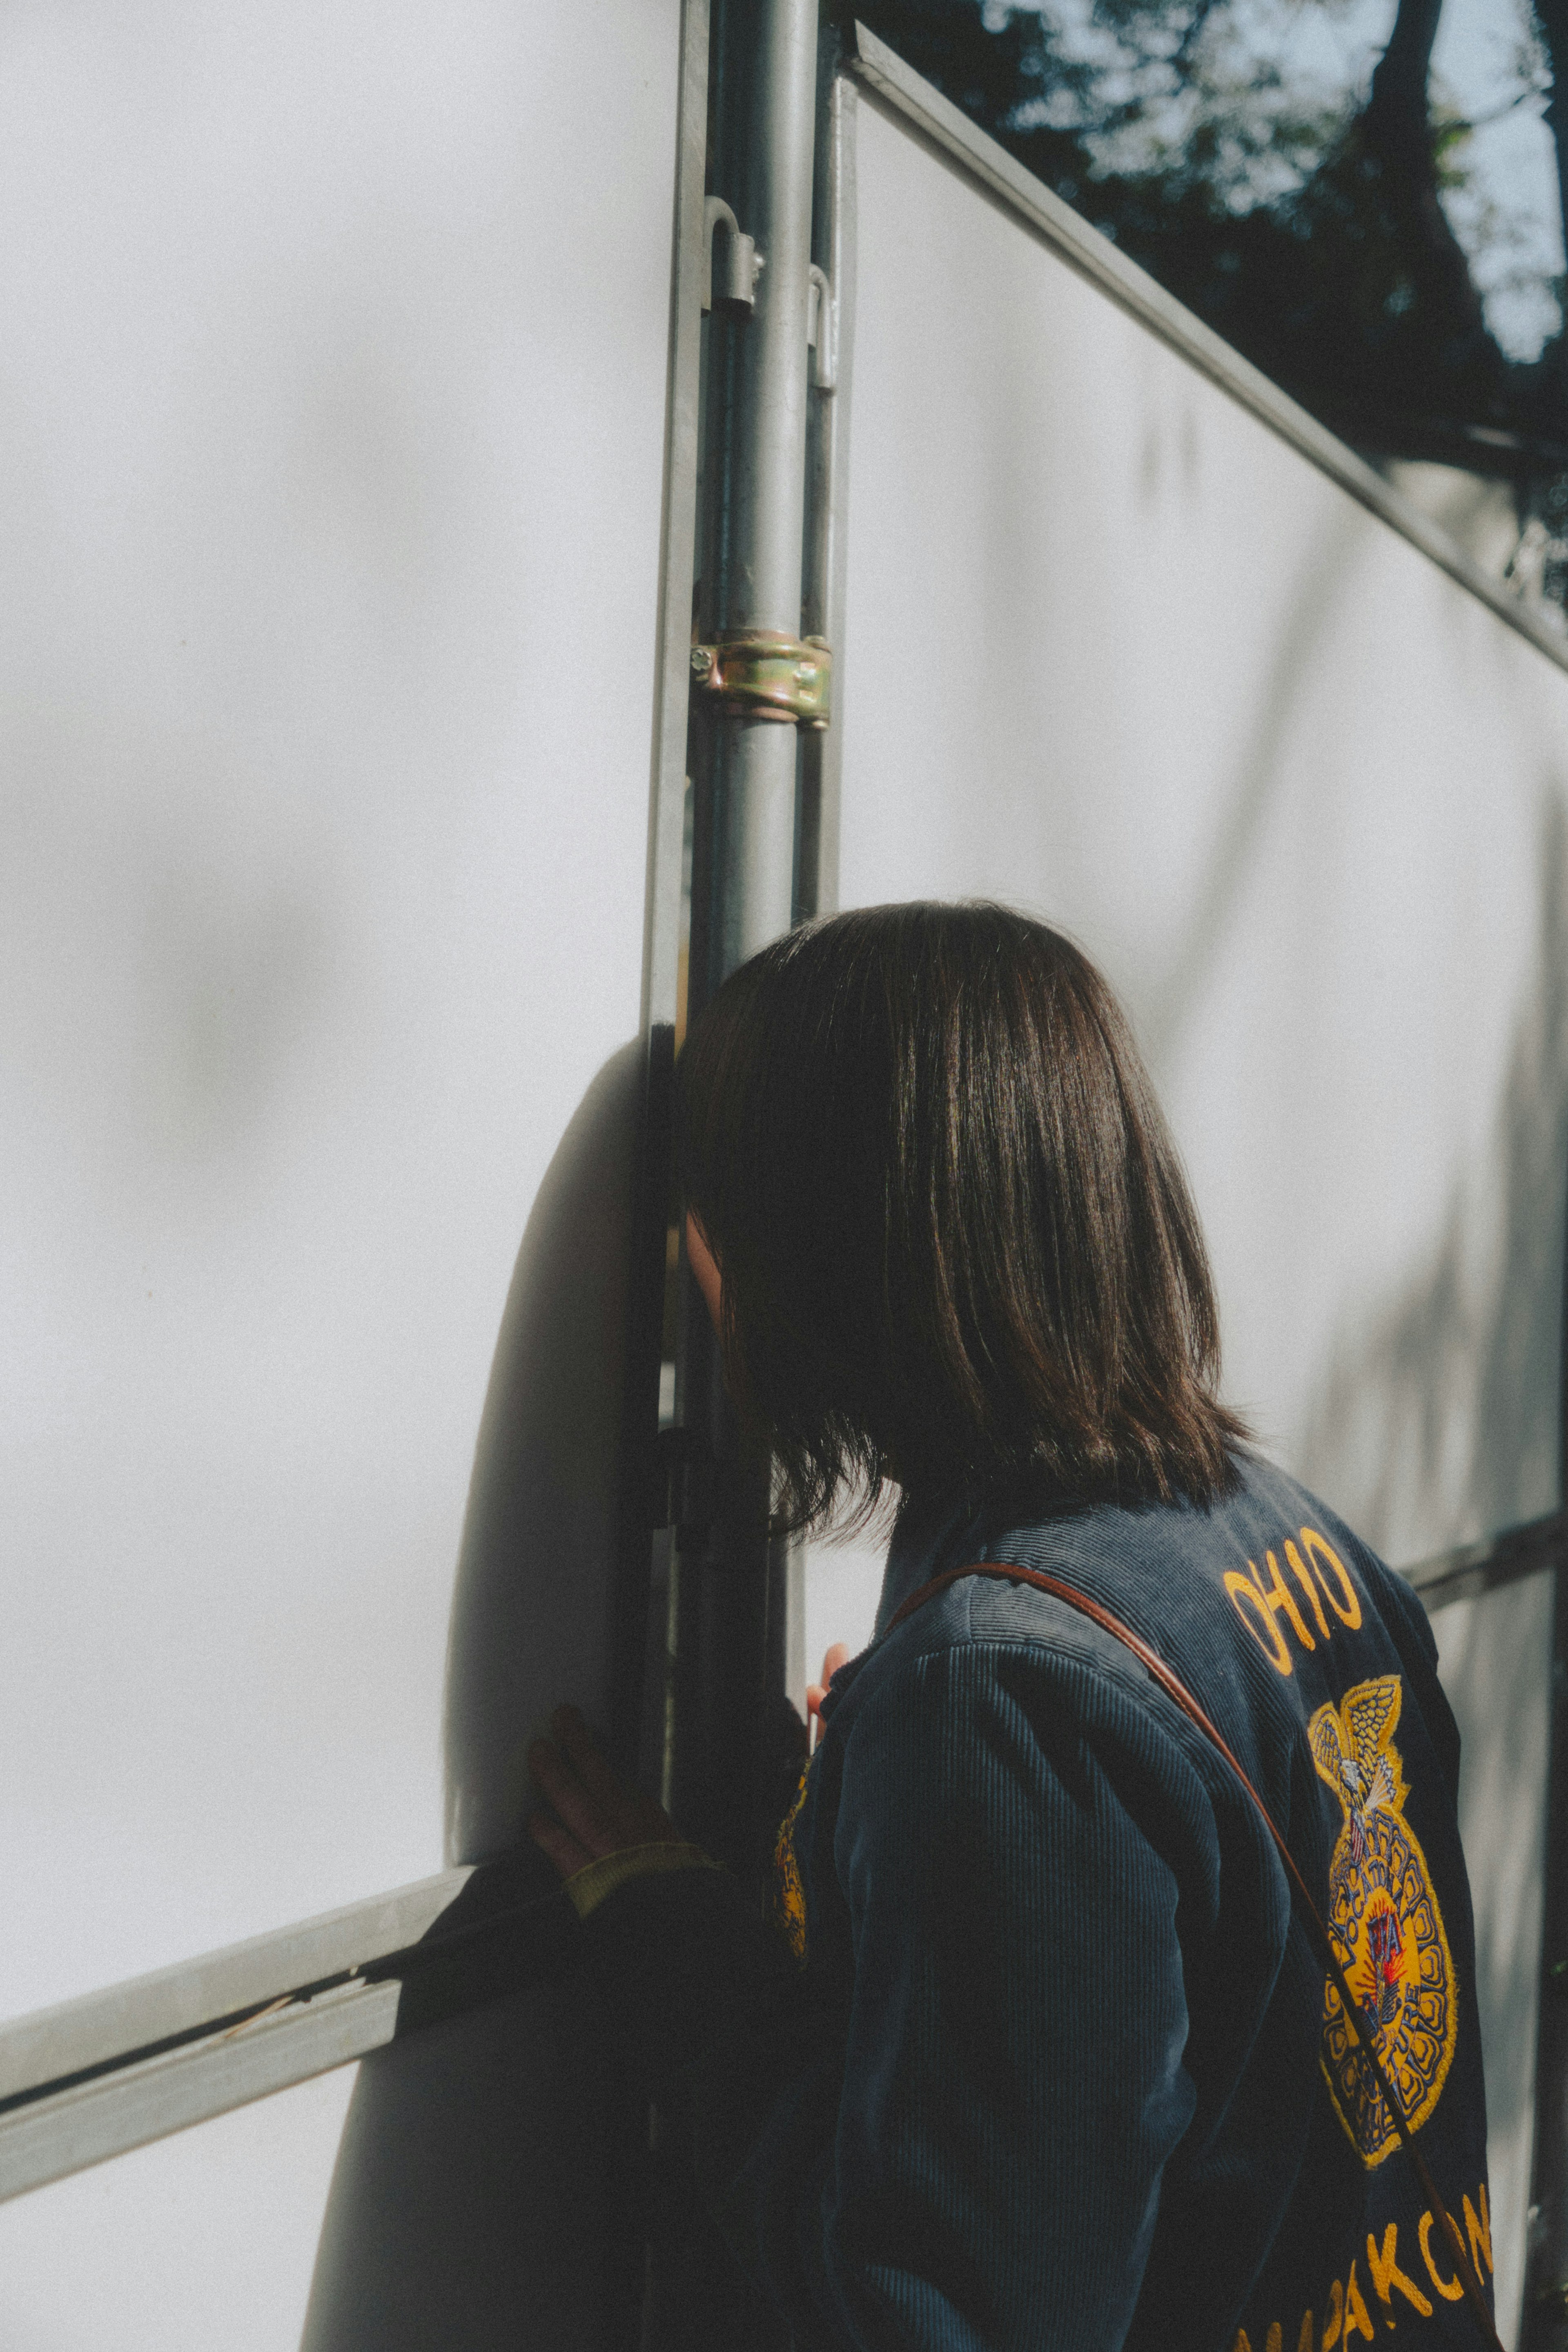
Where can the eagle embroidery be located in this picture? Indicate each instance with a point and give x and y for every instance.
(1387, 1931)
(787, 1894)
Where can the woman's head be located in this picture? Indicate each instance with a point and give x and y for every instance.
(956, 1243)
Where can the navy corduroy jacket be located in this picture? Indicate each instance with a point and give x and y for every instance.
(1034, 2054)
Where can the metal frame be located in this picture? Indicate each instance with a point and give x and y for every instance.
(689, 265)
(1470, 1570)
(760, 391)
(92, 2078)
(907, 94)
(827, 477)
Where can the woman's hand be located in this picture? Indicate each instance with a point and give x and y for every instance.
(816, 1691)
(595, 1812)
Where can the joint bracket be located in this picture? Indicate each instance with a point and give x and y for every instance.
(742, 263)
(768, 674)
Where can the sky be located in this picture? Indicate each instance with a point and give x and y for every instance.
(1475, 67)
(1508, 216)
(1509, 219)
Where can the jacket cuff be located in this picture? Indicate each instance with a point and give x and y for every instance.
(672, 1952)
(587, 1888)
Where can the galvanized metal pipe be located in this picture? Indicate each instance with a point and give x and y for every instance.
(758, 584)
(726, 1578)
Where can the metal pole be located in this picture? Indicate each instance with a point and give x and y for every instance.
(771, 51)
(728, 1664)
(726, 1576)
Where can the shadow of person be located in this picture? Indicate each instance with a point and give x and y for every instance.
(468, 2201)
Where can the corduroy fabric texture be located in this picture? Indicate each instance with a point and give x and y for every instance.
(1056, 2069)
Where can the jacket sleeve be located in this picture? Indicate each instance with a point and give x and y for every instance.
(676, 1946)
(970, 2159)
(683, 1962)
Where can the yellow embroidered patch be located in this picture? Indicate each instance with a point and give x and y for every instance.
(789, 1891)
(1347, 2311)
(1388, 1930)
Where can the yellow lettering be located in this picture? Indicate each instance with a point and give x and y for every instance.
(1304, 2336)
(1243, 2341)
(1479, 2232)
(1348, 1609)
(1334, 2319)
(1279, 1596)
(1387, 2275)
(1449, 2289)
(1275, 2337)
(1246, 1596)
(1356, 2313)
(1298, 1571)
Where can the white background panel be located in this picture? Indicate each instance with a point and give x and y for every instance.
(206, 2239)
(334, 346)
(332, 369)
(1116, 652)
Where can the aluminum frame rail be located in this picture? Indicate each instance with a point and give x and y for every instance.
(763, 553)
(1470, 1570)
(92, 2078)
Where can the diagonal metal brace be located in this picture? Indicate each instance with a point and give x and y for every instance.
(768, 674)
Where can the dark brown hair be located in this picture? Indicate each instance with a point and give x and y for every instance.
(955, 1241)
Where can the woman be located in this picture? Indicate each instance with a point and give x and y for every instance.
(1041, 2057)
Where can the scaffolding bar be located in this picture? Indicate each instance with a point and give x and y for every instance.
(91, 2078)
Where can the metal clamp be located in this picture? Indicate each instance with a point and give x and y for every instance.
(742, 262)
(768, 674)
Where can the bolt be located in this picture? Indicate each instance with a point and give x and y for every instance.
(702, 660)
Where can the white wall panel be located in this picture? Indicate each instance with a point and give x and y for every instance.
(206, 2239)
(1116, 652)
(332, 369)
(323, 884)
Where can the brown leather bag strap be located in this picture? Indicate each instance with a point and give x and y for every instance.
(1174, 1688)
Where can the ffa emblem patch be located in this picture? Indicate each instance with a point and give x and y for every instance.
(788, 1896)
(1388, 1930)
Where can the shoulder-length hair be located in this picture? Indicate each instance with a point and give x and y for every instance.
(956, 1243)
